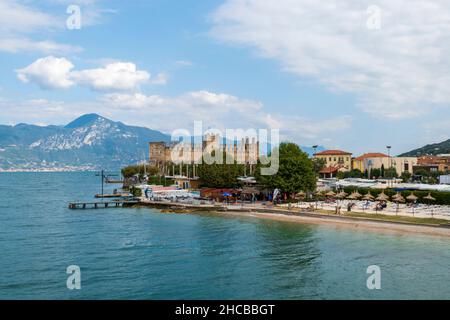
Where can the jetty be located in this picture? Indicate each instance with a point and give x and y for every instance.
(113, 195)
(102, 204)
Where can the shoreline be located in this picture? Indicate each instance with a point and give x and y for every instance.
(349, 223)
(302, 217)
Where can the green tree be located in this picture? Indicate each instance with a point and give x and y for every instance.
(295, 172)
(390, 173)
(340, 175)
(354, 173)
(130, 171)
(218, 175)
(375, 173)
(319, 164)
(405, 176)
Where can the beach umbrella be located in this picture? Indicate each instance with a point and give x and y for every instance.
(368, 197)
(330, 194)
(318, 194)
(341, 195)
(430, 199)
(301, 195)
(354, 196)
(382, 197)
(398, 198)
(357, 194)
(412, 197)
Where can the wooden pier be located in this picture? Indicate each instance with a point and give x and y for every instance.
(113, 195)
(101, 204)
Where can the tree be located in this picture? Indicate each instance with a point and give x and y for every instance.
(139, 169)
(366, 174)
(390, 173)
(218, 175)
(405, 176)
(375, 173)
(295, 172)
(383, 173)
(354, 173)
(319, 164)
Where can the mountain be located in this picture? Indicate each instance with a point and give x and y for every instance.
(89, 142)
(430, 149)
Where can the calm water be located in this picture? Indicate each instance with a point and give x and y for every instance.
(144, 254)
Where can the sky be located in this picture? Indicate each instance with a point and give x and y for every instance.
(345, 74)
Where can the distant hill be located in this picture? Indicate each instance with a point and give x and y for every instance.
(90, 141)
(429, 149)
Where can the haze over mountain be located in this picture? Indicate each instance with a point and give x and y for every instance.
(89, 142)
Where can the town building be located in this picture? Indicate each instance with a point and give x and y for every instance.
(166, 155)
(376, 160)
(431, 163)
(363, 162)
(335, 161)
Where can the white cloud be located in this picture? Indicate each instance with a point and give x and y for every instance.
(161, 78)
(398, 71)
(48, 73)
(165, 113)
(221, 111)
(114, 76)
(16, 17)
(14, 45)
(56, 73)
(20, 21)
(27, 28)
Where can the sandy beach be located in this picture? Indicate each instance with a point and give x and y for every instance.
(297, 215)
(348, 223)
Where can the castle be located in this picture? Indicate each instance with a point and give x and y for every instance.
(162, 153)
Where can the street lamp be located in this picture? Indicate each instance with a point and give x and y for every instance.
(390, 160)
(315, 149)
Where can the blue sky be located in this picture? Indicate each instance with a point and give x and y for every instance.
(317, 71)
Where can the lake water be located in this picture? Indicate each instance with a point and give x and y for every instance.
(126, 253)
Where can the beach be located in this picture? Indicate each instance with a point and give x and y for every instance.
(346, 222)
(299, 215)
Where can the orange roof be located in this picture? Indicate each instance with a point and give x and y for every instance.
(329, 170)
(332, 153)
(372, 155)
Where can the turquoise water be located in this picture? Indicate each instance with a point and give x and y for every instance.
(143, 254)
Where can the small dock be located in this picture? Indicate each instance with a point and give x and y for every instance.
(113, 195)
(101, 204)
